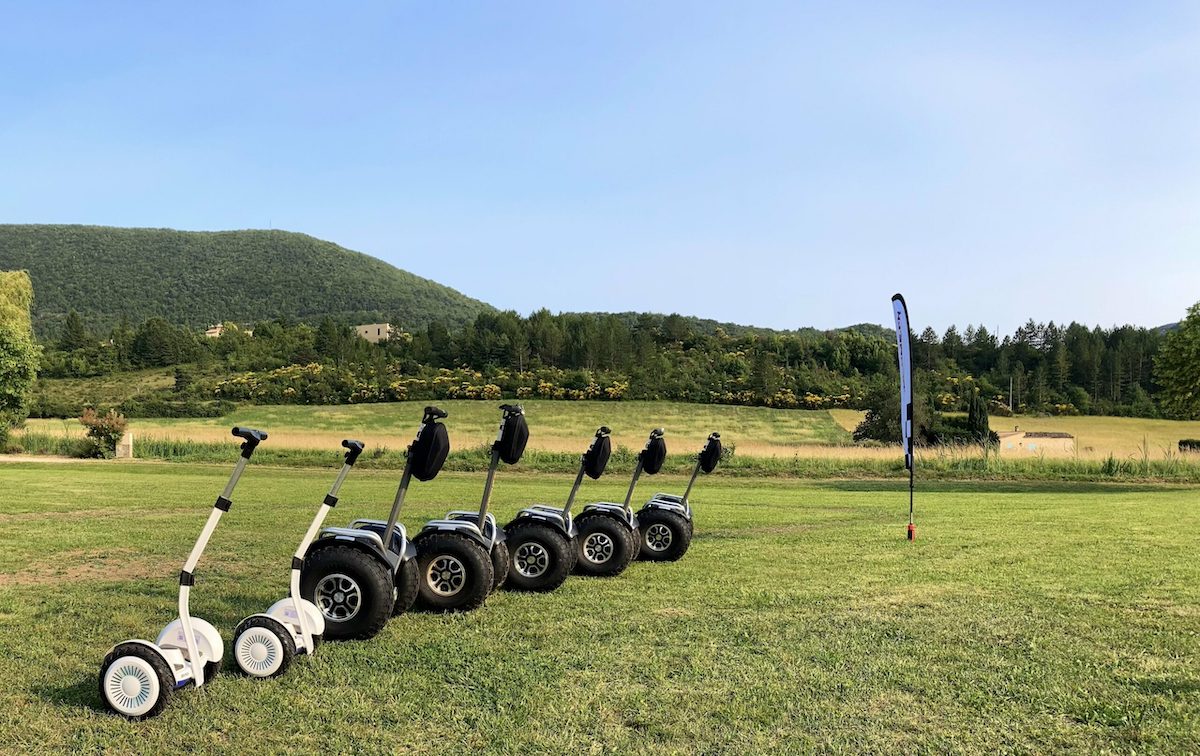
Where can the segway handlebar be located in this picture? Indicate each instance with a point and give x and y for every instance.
(433, 413)
(251, 438)
(353, 449)
(603, 431)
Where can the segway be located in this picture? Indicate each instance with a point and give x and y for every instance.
(666, 520)
(608, 533)
(137, 677)
(463, 557)
(356, 582)
(265, 644)
(542, 538)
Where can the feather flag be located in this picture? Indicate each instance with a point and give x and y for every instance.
(900, 310)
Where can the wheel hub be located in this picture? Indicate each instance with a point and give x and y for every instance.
(131, 686)
(446, 575)
(532, 559)
(339, 597)
(598, 548)
(658, 537)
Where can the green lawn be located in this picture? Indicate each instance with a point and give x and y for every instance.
(1026, 618)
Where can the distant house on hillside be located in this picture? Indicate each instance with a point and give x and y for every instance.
(374, 332)
(214, 332)
(1053, 443)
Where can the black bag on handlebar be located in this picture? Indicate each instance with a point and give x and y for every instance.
(428, 453)
(595, 459)
(514, 434)
(653, 455)
(710, 455)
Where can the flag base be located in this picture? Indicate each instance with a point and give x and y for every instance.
(912, 532)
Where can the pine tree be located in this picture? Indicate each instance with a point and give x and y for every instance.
(1177, 368)
(74, 334)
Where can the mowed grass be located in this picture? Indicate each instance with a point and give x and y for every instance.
(1025, 618)
(554, 425)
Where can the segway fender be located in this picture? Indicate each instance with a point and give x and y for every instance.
(615, 511)
(554, 520)
(284, 610)
(669, 506)
(208, 640)
(465, 527)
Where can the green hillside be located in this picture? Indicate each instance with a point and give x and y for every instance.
(200, 278)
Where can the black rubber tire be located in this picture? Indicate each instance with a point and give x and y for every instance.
(501, 561)
(560, 551)
(166, 678)
(408, 585)
(477, 567)
(211, 670)
(676, 525)
(624, 545)
(276, 628)
(374, 580)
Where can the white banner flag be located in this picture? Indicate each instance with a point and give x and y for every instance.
(906, 403)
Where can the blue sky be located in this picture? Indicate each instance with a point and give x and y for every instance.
(779, 164)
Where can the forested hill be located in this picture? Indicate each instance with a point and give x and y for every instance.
(200, 278)
(708, 327)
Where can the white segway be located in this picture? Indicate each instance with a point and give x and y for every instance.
(137, 677)
(265, 644)
(666, 520)
(608, 532)
(542, 538)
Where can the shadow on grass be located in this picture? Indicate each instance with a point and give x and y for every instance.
(84, 693)
(1170, 687)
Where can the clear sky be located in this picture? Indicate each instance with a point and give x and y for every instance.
(779, 164)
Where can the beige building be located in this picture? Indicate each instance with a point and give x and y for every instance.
(374, 332)
(1052, 444)
(215, 332)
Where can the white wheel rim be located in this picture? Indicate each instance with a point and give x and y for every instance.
(259, 652)
(339, 597)
(131, 686)
(532, 559)
(658, 537)
(446, 575)
(598, 548)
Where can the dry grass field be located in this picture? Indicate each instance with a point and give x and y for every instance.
(558, 426)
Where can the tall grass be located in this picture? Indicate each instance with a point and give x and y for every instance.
(943, 463)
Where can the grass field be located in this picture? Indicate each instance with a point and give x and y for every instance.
(1025, 618)
(558, 426)
(554, 425)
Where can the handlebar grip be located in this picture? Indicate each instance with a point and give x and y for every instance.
(433, 413)
(251, 438)
(353, 449)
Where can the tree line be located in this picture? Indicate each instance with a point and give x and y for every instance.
(1043, 368)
